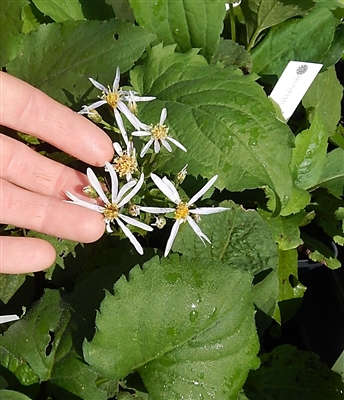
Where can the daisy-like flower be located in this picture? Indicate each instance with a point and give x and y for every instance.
(112, 209)
(183, 211)
(115, 97)
(158, 135)
(125, 163)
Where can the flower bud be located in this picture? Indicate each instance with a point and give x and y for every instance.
(90, 192)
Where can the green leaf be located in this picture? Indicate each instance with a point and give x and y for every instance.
(238, 236)
(60, 10)
(11, 27)
(230, 53)
(9, 284)
(298, 200)
(223, 118)
(262, 14)
(325, 90)
(330, 4)
(290, 41)
(288, 373)
(265, 294)
(188, 23)
(338, 137)
(332, 177)
(335, 52)
(309, 155)
(30, 22)
(39, 345)
(12, 395)
(74, 51)
(186, 325)
(285, 230)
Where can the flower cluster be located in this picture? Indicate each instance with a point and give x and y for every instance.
(116, 204)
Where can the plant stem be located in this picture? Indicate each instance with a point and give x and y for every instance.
(253, 40)
(232, 21)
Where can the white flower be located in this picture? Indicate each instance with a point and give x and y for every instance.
(91, 113)
(115, 97)
(182, 212)
(125, 163)
(112, 210)
(158, 135)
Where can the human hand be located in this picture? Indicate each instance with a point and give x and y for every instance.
(32, 186)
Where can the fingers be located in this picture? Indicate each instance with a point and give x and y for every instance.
(20, 255)
(25, 168)
(48, 215)
(26, 109)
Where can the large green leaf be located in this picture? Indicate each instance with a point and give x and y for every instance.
(39, 346)
(11, 26)
(9, 284)
(238, 236)
(332, 177)
(290, 41)
(186, 325)
(189, 23)
(262, 14)
(288, 373)
(325, 90)
(60, 10)
(74, 51)
(223, 118)
(309, 155)
(11, 395)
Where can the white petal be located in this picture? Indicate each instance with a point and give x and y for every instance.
(96, 184)
(156, 146)
(124, 189)
(201, 192)
(118, 148)
(197, 230)
(130, 116)
(166, 189)
(82, 203)
(135, 222)
(108, 227)
(173, 235)
(208, 210)
(163, 116)
(130, 236)
(97, 104)
(121, 126)
(116, 80)
(8, 318)
(146, 147)
(173, 189)
(99, 86)
(166, 145)
(157, 210)
(114, 182)
(140, 133)
(133, 192)
(174, 141)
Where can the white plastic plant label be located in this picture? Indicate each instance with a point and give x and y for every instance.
(122, 9)
(8, 318)
(293, 85)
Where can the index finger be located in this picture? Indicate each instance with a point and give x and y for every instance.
(27, 109)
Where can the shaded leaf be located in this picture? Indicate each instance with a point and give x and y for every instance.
(188, 23)
(274, 52)
(288, 373)
(11, 27)
(12, 395)
(238, 236)
(60, 10)
(73, 51)
(230, 53)
(320, 252)
(309, 154)
(265, 294)
(262, 14)
(185, 325)
(332, 177)
(223, 118)
(325, 90)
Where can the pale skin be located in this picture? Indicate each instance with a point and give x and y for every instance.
(32, 187)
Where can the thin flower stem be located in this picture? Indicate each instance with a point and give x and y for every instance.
(110, 127)
(232, 22)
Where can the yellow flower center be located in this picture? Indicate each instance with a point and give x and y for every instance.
(159, 132)
(111, 212)
(125, 164)
(182, 211)
(112, 98)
